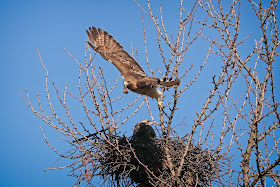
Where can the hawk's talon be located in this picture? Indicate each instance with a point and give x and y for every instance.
(160, 104)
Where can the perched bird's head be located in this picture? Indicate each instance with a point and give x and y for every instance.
(146, 122)
(144, 131)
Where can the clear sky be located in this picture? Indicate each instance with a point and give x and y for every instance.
(51, 26)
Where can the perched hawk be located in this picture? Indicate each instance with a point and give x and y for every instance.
(147, 151)
(134, 77)
(144, 131)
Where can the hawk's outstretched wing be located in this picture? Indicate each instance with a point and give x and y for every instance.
(111, 50)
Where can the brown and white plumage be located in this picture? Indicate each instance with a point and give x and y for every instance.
(134, 77)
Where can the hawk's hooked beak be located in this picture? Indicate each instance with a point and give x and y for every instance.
(149, 123)
(125, 83)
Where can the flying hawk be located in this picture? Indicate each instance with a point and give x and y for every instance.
(134, 77)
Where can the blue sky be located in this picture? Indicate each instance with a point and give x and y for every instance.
(51, 26)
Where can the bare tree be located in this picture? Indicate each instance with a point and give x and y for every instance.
(238, 121)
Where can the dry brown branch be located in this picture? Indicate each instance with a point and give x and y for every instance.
(234, 138)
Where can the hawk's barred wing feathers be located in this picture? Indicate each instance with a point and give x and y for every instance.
(111, 50)
(135, 78)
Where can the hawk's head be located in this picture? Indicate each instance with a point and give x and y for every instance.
(144, 130)
(145, 122)
(144, 89)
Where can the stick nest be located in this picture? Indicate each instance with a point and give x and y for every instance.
(127, 161)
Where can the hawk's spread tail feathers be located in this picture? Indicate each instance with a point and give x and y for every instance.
(168, 82)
